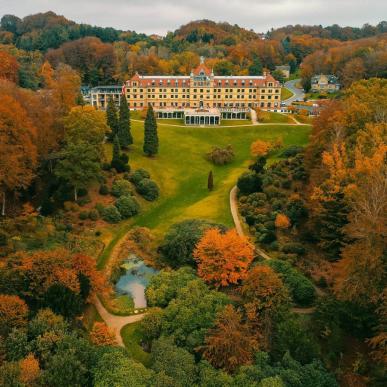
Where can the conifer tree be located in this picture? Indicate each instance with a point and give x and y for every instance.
(112, 118)
(116, 149)
(124, 133)
(210, 181)
(151, 140)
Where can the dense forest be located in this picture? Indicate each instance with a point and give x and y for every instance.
(296, 297)
(105, 55)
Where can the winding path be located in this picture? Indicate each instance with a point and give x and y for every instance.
(298, 94)
(239, 229)
(116, 322)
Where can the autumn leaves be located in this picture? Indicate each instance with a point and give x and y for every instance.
(223, 259)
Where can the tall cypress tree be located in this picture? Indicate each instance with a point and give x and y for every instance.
(124, 133)
(210, 181)
(112, 118)
(116, 149)
(151, 140)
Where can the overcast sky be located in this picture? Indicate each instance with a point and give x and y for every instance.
(160, 16)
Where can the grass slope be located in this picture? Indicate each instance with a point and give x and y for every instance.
(285, 93)
(181, 171)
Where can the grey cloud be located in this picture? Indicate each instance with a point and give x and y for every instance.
(152, 16)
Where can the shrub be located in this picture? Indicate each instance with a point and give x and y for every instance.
(83, 201)
(111, 215)
(82, 192)
(103, 189)
(296, 211)
(138, 175)
(249, 183)
(127, 206)
(300, 287)
(121, 187)
(293, 248)
(267, 238)
(148, 189)
(93, 215)
(83, 215)
(181, 239)
(291, 151)
(99, 207)
(121, 164)
(221, 156)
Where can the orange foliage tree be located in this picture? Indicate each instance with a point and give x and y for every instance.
(13, 313)
(230, 343)
(264, 289)
(9, 67)
(264, 297)
(260, 148)
(282, 221)
(42, 269)
(223, 259)
(29, 370)
(18, 153)
(102, 335)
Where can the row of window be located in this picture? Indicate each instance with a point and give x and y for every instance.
(215, 105)
(202, 90)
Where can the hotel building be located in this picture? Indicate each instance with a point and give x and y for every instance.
(202, 97)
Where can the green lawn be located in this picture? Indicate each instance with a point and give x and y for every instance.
(285, 93)
(277, 118)
(235, 122)
(181, 171)
(131, 336)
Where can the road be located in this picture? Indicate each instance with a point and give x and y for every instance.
(239, 229)
(116, 323)
(298, 94)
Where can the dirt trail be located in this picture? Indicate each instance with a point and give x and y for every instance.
(116, 322)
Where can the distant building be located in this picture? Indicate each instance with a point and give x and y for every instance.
(86, 94)
(100, 95)
(201, 98)
(327, 83)
(284, 69)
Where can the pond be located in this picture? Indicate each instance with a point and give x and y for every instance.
(134, 281)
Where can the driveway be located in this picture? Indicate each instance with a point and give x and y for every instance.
(298, 94)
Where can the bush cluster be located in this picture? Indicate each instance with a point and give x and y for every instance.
(146, 187)
(221, 156)
(127, 206)
(111, 214)
(300, 287)
(121, 187)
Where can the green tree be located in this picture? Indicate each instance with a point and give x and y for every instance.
(163, 287)
(181, 239)
(79, 166)
(112, 117)
(151, 140)
(256, 67)
(124, 133)
(192, 313)
(116, 157)
(279, 76)
(115, 368)
(175, 362)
